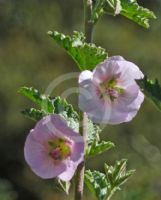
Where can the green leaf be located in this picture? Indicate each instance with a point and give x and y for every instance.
(116, 176)
(93, 132)
(65, 186)
(151, 89)
(49, 105)
(138, 14)
(130, 9)
(98, 148)
(112, 7)
(97, 11)
(33, 114)
(41, 100)
(124, 178)
(60, 106)
(105, 185)
(86, 55)
(97, 183)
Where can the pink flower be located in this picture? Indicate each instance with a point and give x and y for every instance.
(110, 94)
(52, 149)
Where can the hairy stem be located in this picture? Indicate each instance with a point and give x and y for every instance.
(88, 25)
(81, 167)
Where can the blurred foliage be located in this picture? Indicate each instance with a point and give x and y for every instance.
(29, 57)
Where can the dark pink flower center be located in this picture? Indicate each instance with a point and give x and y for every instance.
(59, 149)
(109, 90)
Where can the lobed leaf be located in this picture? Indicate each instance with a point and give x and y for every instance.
(98, 10)
(61, 106)
(151, 89)
(112, 7)
(33, 114)
(117, 174)
(105, 185)
(99, 147)
(56, 105)
(130, 9)
(41, 100)
(97, 183)
(93, 132)
(86, 55)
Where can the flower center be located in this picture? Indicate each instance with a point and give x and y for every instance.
(110, 90)
(59, 149)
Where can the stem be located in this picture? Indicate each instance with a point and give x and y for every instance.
(88, 25)
(81, 167)
(111, 192)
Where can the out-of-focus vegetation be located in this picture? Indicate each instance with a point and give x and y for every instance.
(29, 57)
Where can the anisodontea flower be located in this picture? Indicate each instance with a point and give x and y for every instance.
(110, 94)
(52, 149)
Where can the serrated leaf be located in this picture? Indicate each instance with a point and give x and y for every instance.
(97, 183)
(130, 9)
(86, 55)
(124, 178)
(93, 132)
(61, 105)
(112, 7)
(116, 176)
(33, 114)
(57, 105)
(99, 147)
(97, 11)
(152, 89)
(105, 185)
(109, 175)
(119, 169)
(41, 100)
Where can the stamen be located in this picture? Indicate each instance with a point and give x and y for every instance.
(59, 149)
(109, 89)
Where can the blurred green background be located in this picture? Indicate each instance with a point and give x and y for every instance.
(29, 57)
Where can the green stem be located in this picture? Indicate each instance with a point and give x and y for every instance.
(79, 187)
(88, 25)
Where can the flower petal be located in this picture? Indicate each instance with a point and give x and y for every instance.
(104, 109)
(129, 71)
(115, 58)
(69, 173)
(36, 155)
(77, 155)
(106, 71)
(37, 150)
(85, 75)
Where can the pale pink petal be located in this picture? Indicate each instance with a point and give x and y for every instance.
(37, 148)
(135, 106)
(121, 108)
(77, 154)
(70, 171)
(115, 58)
(85, 75)
(36, 155)
(129, 70)
(129, 95)
(106, 71)
(101, 109)
(42, 131)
